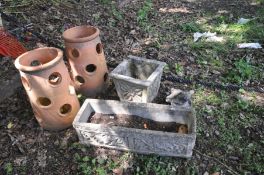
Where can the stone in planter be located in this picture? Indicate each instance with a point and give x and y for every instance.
(137, 79)
(137, 140)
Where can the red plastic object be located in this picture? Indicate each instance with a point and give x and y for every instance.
(9, 45)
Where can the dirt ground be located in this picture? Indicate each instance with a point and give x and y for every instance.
(230, 135)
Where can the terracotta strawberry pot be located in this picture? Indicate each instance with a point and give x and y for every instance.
(49, 87)
(86, 57)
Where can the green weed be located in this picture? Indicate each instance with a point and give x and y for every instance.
(178, 69)
(166, 69)
(8, 168)
(221, 19)
(244, 68)
(255, 32)
(237, 119)
(232, 123)
(163, 166)
(260, 1)
(191, 27)
(192, 169)
(217, 63)
(117, 13)
(81, 98)
(105, 2)
(243, 71)
(142, 14)
(89, 165)
(209, 49)
(96, 16)
(215, 168)
(210, 98)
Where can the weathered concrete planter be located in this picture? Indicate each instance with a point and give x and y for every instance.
(137, 140)
(137, 79)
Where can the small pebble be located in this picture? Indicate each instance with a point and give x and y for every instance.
(206, 173)
(233, 158)
(224, 105)
(118, 171)
(248, 132)
(35, 63)
(217, 133)
(145, 126)
(229, 147)
(215, 173)
(56, 142)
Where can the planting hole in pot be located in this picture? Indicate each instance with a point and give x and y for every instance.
(75, 53)
(90, 68)
(55, 78)
(99, 48)
(65, 109)
(25, 83)
(44, 101)
(105, 77)
(79, 79)
(35, 63)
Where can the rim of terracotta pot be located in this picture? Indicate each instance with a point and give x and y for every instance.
(47, 56)
(80, 34)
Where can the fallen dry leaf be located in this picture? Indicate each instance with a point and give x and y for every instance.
(183, 129)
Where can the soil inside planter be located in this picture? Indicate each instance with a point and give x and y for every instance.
(140, 70)
(134, 121)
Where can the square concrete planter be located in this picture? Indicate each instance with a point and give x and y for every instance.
(137, 140)
(137, 79)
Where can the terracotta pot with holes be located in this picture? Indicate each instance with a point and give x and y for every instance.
(86, 57)
(49, 87)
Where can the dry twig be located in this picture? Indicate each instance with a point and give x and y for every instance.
(218, 161)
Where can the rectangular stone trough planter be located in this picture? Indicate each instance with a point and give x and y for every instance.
(137, 140)
(137, 79)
